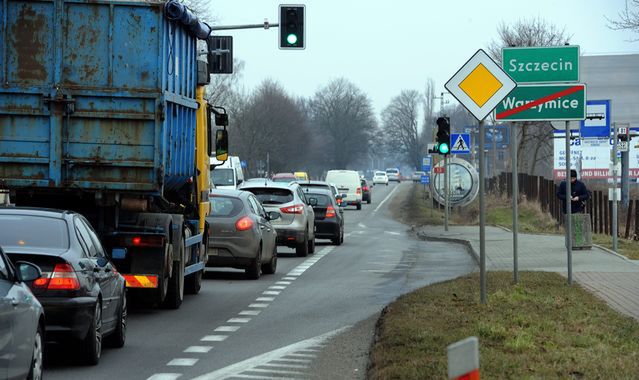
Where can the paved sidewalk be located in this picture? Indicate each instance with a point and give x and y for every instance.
(612, 277)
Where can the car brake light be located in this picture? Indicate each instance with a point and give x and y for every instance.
(244, 223)
(358, 191)
(365, 188)
(330, 212)
(63, 277)
(295, 209)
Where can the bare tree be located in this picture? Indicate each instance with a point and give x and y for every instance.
(270, 122)
(628, 18)
(400, 125)
(224, 87)
(344, 114)
(533, 137)
(429, 111)
(202, 8)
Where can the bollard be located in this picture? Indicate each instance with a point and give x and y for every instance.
(463, 359)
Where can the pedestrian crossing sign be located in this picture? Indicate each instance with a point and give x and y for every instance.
(460, 143)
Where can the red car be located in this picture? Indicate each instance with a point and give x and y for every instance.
(284, 177)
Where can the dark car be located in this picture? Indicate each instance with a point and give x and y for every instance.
(366, 191)
(21, 321)
(242, 234)
(83, 295)
(329, 217)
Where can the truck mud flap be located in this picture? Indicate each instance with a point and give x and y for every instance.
(144, 281)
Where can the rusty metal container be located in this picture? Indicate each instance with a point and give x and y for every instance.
(95, 95)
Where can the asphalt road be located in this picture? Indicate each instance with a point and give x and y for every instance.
(314, 318)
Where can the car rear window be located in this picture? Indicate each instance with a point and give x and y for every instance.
(392, 171)
(225, 206)
(322, 199)
(23, 231)
(272, 196)
(380, 173)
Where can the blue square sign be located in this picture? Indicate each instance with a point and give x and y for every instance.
(459, 143)
(426, 161)
(425, 179)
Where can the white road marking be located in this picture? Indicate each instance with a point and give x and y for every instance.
(385, 199)
(292, 360)
(265, 299)
(277, 287)
(283, 283)
(236, 369)
(361, 225)
(183, 362)
(271, 292)
(227, 329)
(250, 312)
(262, 305)
(239, 320)
(392, 232)
(289, 278)
(165, 376)
(214, 338)
(274, 371)
(198, 349)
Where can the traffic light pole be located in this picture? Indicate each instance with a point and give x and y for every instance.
(614, 188)
(446, 192)
(265, 25)
(568, 220)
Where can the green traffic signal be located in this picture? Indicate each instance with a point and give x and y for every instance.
(291, 39)
(443, 148)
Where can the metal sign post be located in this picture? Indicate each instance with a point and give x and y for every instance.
(482, 213)
(568, 220)
(515, 196)
(446, 193)
(614, 186)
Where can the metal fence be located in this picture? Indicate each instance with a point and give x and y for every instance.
(544, 192)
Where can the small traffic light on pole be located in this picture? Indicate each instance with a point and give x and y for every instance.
(292, 26)
(442, 145)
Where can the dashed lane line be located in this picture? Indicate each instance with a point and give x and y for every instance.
(198, 349)
(182, 362)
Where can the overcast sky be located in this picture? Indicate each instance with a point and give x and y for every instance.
(385, 47)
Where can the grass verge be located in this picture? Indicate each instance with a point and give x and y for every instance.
(540, 328)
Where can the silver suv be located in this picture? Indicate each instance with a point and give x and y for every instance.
(296, 227)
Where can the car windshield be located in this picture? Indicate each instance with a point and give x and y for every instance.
(17, 231)
(222, 177)
(322, 199)
(380, 173)
(225, 206)
(272, 196)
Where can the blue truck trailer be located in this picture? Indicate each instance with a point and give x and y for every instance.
(102, 111)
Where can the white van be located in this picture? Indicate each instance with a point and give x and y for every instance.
(229, 175)
(348, 183)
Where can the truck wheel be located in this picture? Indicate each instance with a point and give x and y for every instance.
(193, 282)
(175, 293)
(311, 246)
(301, 249)
(359, 205)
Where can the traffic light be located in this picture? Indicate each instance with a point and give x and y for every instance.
(442, 145)
(291, 26)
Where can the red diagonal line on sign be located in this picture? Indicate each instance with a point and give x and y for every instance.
(568, 91)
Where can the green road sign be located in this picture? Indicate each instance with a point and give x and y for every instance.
(548, 64)
(543, 102)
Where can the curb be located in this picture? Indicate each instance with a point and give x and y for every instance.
(465, 243)
(610, 251)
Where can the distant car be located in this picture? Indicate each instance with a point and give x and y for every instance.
(394, 174)
(380, 177)
(21, 321)
(243, 236)
(283, 177)
(348, 183)
(417, 176)
(329, 217)
(296, 227)
(366, 191)
(83, 295)
(301, 176)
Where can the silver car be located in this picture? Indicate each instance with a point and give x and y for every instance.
(241, 233)
(296, 227)
(21, 321)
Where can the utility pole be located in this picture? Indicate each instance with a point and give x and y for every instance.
(614, 188)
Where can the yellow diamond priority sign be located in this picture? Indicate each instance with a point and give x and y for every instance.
(480, 85)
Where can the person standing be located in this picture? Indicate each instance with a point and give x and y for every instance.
(579, 194)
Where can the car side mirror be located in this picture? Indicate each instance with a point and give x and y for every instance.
(273, 215)
(27, 271)
(312, 201)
